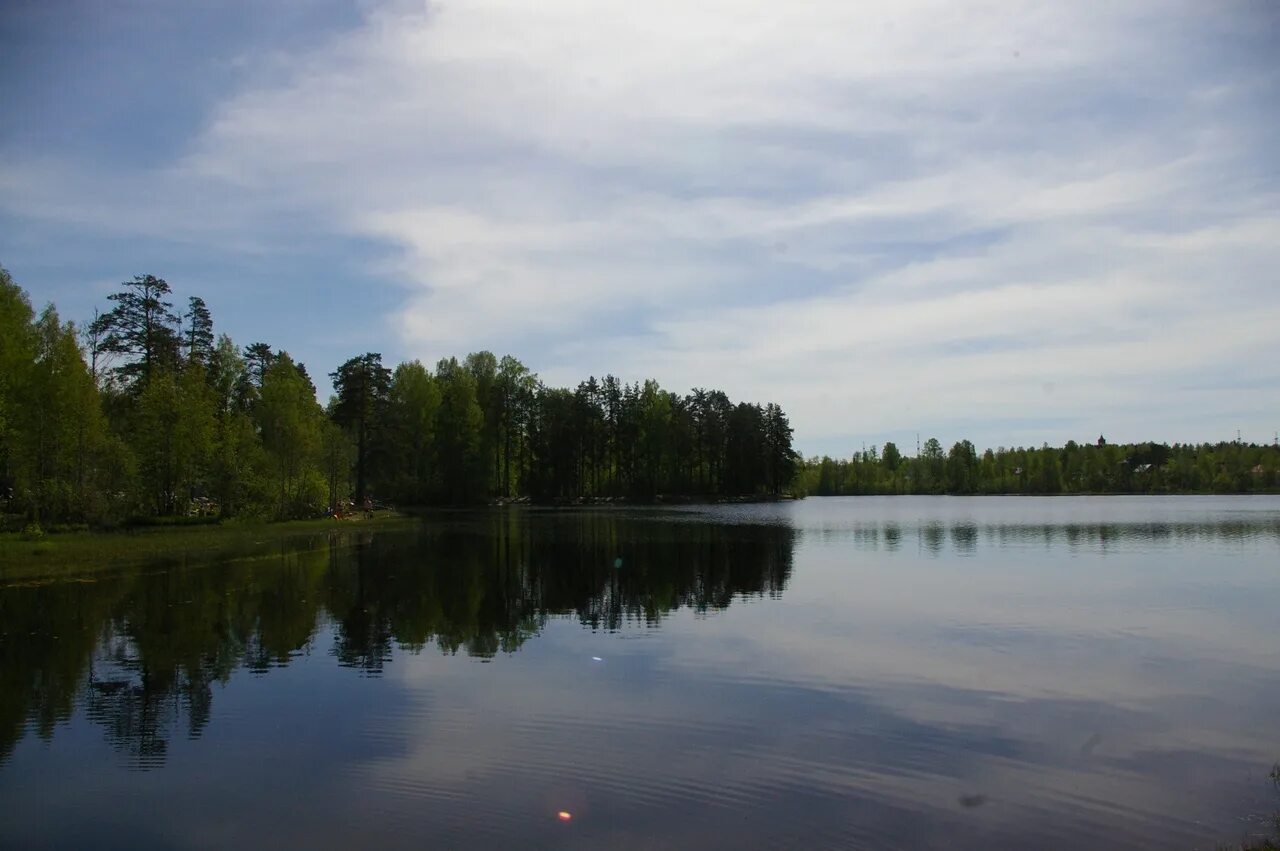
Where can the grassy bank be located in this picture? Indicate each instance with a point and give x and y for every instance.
(75, 553)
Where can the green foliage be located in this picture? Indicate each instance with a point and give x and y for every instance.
(289, 421)
(516, 390)
(17, 359)
(189, 427)
(187, 421)
(458, 430)
(362, 386)
(414, 403)
(962, 468)
(61, 422)
(198, 336)
(257, 357)
(891, 458)
(143, 328)
(1150, 468)
(160, 455)
(337, 458)
(609, 439)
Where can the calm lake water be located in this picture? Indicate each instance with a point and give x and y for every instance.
(1077, 672)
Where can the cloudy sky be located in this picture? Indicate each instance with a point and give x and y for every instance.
(1013, 222)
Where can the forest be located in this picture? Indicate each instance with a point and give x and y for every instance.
(143, 412)
(1100, 467)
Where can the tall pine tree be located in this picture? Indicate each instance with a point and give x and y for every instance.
(362, 386)
(142, 327)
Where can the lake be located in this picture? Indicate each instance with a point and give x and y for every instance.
(901, 672)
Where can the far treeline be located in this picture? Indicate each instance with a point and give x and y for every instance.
(142, 412)
(1101, 467)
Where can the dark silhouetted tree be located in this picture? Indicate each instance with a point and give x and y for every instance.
(198, 335)
(362, 386)
(143, 328)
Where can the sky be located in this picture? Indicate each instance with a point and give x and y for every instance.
(1011, 222)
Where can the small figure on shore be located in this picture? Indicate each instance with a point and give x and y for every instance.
(368, 508)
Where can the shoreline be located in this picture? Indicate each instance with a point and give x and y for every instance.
(659, 500)
(66, 554)
(82, 552)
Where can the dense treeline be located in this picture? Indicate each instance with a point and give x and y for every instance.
(145, 412)
(1101, 467)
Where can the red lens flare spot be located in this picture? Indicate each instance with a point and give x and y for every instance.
(564, 816)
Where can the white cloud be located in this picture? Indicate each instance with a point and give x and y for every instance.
(882, 215)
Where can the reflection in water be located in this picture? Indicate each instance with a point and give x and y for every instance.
(966, 537)
(932, 535)
(892, 536)
(140, 652)
(960, 673)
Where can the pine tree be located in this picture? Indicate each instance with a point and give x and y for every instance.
(362, 385)
(258, 357)
(142, 327)
(199, 333)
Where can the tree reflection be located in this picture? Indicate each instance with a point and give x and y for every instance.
(47, 637)
(139, 653)
(488, 585)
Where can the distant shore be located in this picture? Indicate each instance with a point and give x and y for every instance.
(660, 499)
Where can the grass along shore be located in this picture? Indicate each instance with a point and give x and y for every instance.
(66, 554)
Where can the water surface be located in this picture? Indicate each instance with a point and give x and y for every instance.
(905, 672)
